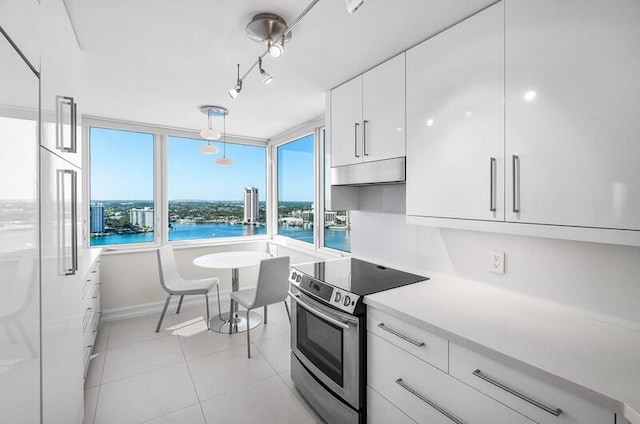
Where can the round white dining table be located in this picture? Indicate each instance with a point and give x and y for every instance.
(234, 323)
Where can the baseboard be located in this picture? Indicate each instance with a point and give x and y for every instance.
(156, 307)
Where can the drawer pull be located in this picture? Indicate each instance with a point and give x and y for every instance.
(428, 402)
(552, 411)
(402, 336)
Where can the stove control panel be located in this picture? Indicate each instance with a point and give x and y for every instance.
(328, 294)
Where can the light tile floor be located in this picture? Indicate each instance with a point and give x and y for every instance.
(185, 374)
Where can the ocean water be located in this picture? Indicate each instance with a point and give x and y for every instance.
(336, 239)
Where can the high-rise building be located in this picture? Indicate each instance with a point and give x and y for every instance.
(141, 217)
(97, 218)
(251, 209)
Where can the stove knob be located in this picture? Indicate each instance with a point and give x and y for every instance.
(337, 297)
(347, 301)
(299, 278)
(293, 276)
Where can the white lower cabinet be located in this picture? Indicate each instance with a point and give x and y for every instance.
(92, 312)
(427, 394)
(542, 402)
(381, 411)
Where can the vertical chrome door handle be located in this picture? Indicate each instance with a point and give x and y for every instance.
(74, 221)
(74, 126)
(61, 103)
(364, 137)
(492, 184)
(355, 139)
(515, 165)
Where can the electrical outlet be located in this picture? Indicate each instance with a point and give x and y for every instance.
(496, 262)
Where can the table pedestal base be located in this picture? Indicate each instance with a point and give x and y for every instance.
(238, 324)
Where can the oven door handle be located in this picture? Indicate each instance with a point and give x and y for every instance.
(319, 314)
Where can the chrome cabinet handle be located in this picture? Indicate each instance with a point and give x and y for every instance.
(74, 221)
(318, 313)
(355, 139)
(402, 336)
(364, 137)
(61, 102)
(428, 402)
(552, 411)
(515, 165)
(492, 184)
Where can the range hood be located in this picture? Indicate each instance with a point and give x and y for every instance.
(387, 171)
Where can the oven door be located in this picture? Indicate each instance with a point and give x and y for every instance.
(327, 342)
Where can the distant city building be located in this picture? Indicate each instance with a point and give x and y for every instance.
(141, 217)
(251, 210)
(97, 218)
(329, 218)
(307, 216)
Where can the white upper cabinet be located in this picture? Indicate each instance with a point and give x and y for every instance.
(346, 123)
(572, 104)
(383, 111)
(61, 84)
(19, 19)
(455, 121)
(368, 116)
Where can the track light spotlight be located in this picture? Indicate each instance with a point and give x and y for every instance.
(266, 76)
(276, 49)
(236, 90)
(353, 5)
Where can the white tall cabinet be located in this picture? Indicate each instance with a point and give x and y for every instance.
(368, 115)
(455, 121)
(572, 105)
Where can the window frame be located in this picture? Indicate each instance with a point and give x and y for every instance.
(160, 182)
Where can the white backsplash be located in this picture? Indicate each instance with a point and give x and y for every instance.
(599, 280)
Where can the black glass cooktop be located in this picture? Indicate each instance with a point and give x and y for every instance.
(357, 276)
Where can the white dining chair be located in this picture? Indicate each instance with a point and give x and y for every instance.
(173, 283)
(272, 287)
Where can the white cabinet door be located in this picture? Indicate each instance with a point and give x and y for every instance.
(455, 120)
(61, 83)
(61, 290)
(383, 111)
(19, 19)
(346, 123)
(572, 107)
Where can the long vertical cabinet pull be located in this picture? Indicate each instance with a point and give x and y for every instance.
(364, 137)
(63, 102)
(492, 184)
(74, 220)
(355, 139)
(515, 165)
(67, 265)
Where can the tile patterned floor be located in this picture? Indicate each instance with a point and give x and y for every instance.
(187, 375)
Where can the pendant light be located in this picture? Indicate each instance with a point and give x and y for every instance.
(224, 160)
(210, 133)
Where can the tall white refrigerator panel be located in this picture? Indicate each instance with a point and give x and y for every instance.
(62, 317)
(19, 235)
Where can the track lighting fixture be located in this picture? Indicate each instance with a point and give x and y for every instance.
(272, 30)
(266, 77)
(236, 90)
(353, 5)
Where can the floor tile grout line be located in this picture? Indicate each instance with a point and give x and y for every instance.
(193, 383)
(169, 413)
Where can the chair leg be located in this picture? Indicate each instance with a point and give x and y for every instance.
(219, 308)
(248, 336)
(265, 314)
(164, 310)
(180, 304)
(206, 297)
(287, 308)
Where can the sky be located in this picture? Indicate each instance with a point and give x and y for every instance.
(122, 168)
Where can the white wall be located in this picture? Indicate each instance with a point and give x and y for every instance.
(130, 280)
(598, 280)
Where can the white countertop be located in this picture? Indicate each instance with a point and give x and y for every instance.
(597, 360)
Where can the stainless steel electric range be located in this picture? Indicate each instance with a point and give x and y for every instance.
(328, 334)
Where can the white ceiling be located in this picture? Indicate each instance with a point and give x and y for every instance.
(158, 61)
